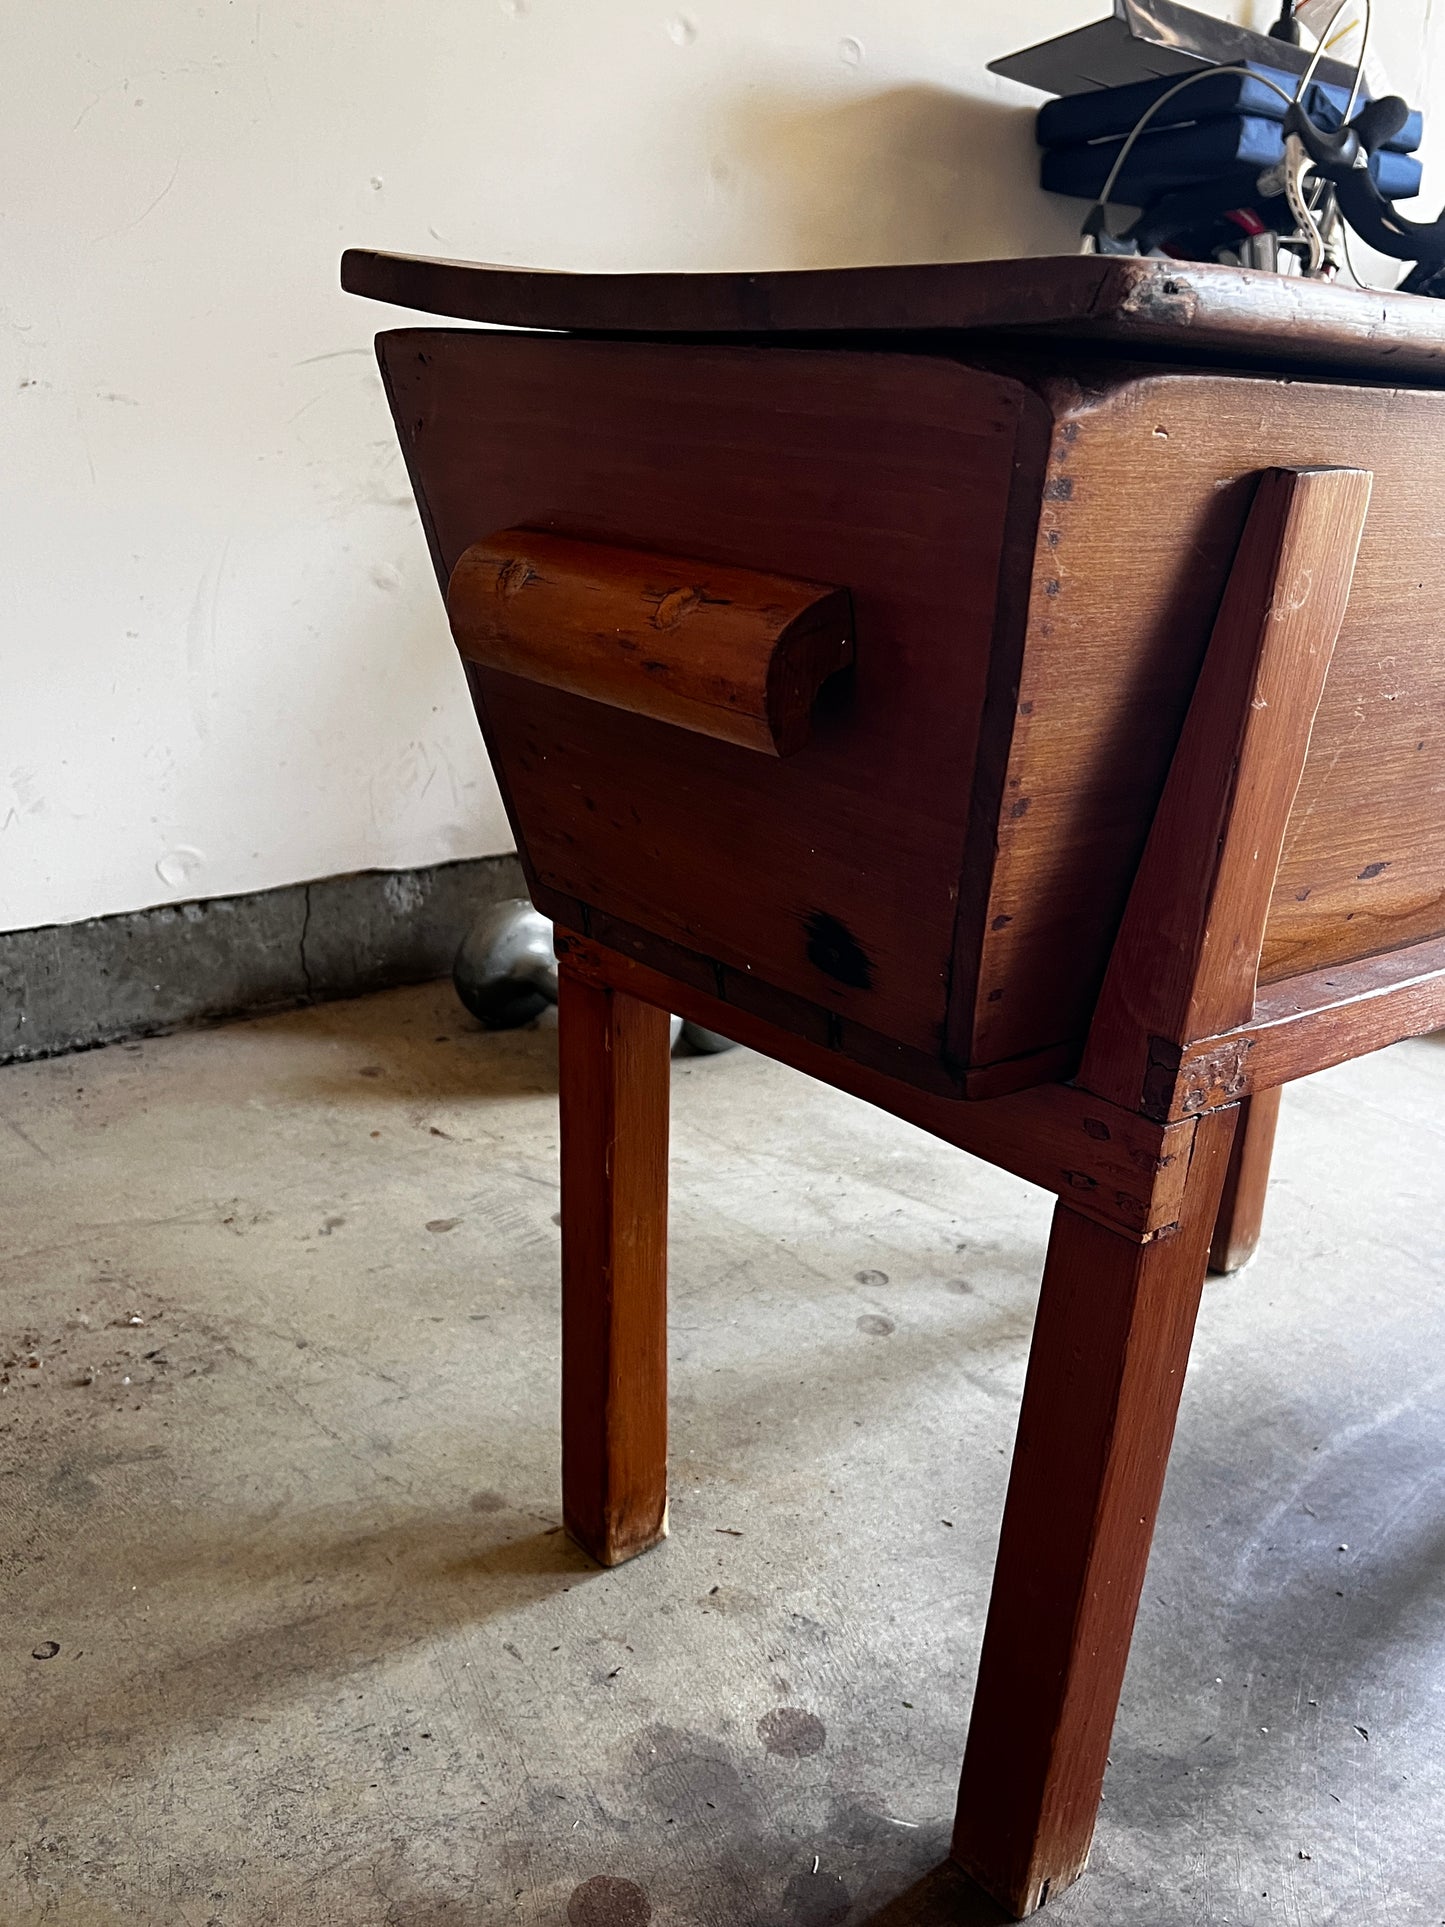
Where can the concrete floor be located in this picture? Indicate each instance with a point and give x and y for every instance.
(282, 1489)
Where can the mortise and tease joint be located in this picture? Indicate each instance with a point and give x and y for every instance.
(1182, 1082)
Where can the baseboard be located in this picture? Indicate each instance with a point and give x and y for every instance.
(70, 986)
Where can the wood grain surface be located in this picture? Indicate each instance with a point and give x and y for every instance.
(1149, 482)
(614, 1084)
(1036, 555)
(831, 875)
(1180, 308)
(926, 893)
(1111, 1165)
(1185, 963)
(730, 653)
(1304, 1024)
(1106, 1369)
(1246, 1185)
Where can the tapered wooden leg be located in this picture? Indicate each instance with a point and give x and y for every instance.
(1110, 1346)
(1241, 1209)
(614, 1077)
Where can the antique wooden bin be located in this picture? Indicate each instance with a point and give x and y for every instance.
(959, 682)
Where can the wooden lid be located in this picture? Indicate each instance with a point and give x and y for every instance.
(1188, 309)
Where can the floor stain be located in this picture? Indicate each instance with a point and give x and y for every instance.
(792, 1733)
(605, 1902)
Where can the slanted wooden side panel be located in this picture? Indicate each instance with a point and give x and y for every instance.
(1148, 485)
(832, 875)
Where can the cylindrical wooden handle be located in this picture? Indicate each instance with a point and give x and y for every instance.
(727, 652)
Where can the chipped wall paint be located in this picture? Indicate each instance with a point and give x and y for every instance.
(224, 659)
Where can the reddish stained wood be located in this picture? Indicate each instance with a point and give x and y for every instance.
(1111, 1342)
(1142, 502)
(1016, 705)
(731, 653)
(1305, 1024)
(614, 1070)
(1183, 306)
(1186, 960)
(1246, 1183)
(831, 874)
(1144, 505)
(1110, 1164)
(1030, 805)
(741, 990)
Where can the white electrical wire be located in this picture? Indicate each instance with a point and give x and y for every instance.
(1296, 204)
(1323, 42)
(1204, 73)
(1304, 216)
(1369, 287)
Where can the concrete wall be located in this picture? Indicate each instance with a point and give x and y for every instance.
(223, 657)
